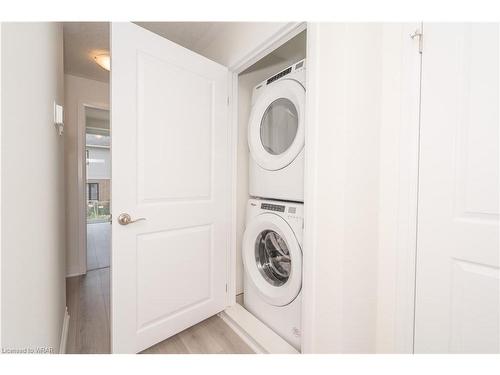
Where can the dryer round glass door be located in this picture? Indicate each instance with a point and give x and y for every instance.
(276, 125)
(272, 259)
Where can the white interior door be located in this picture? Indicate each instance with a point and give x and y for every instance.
(170, 152)
(457, 294)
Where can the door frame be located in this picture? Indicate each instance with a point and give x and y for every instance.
(274, 41)
(1, 127)
(398, 196)
(407, 205)
(397, 212)
(82, 179)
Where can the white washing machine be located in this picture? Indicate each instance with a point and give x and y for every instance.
(272, 259)
(276, 136)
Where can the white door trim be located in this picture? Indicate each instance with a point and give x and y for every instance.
(64, 332)
(401, 231)
(82, 178)
(310, 187)
(1, 127)
(399, 154)
(407, 214)
(257, 335)
(268, 45)
(233, 155)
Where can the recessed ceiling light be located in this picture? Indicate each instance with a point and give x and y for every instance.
(103, 61)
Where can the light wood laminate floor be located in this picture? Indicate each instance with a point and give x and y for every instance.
(211, 336)
(88, 299)
(98, 245)
(89, 328)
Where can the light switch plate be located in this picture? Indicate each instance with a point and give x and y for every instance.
(59, 118)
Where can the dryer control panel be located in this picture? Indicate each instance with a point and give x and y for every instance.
(272, 207)
(295, 72)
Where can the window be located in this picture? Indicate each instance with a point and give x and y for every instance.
(93, 191)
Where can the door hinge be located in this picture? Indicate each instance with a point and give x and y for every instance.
(228, 100)
(418, 34)
(226, 288)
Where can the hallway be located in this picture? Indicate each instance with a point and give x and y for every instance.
(88, 301)
(88, 298)
(98, 245)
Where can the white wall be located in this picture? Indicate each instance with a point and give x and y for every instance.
(1, 101)
(342, 187)
(33, 256)
(78, 92)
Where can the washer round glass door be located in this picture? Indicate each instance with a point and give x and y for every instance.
(273, 259)
(276, 125)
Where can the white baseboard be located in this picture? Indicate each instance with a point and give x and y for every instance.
(64, 333)
(256, 334)
(75, 274)
(73, 270)
(242, 334)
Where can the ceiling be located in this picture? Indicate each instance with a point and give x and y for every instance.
(288, 53)
(84, 40)
(294, 49)
(192, 35)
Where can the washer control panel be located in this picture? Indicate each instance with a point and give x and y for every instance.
(290, 211)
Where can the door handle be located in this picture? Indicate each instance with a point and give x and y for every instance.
(125, 219)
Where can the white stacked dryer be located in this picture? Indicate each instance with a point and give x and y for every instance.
(272, 243)
(276, 132)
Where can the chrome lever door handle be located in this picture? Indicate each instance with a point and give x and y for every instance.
(125, 219)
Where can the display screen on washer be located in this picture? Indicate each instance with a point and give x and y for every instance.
(279, 125)
(272, 207)
(272, 257)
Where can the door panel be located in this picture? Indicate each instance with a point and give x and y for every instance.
(475, 312)
(189, 254)
(458, 294)
(170, 166)
(173, 138)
